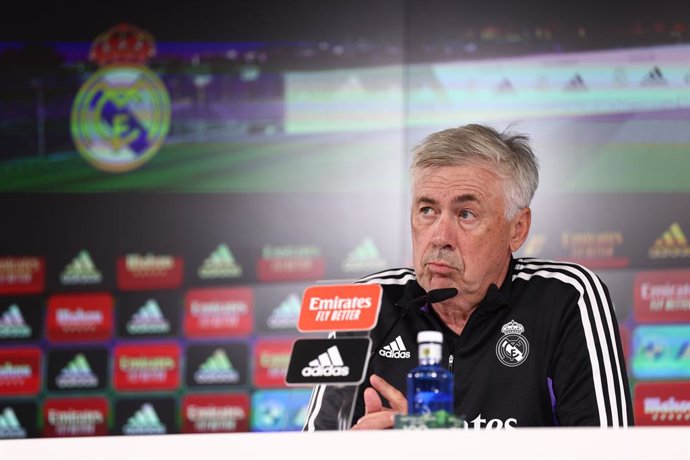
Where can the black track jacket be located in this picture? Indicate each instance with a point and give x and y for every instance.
(543, 350)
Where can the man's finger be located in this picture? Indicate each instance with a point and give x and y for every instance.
(372, 401)
(396, 399)
(376, 421)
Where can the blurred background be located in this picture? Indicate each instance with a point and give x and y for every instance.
(173, 175)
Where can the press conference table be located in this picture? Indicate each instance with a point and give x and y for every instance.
(672, 443)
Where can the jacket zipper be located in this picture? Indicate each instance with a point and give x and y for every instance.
(451, 358)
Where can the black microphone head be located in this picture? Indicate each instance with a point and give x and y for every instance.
(439, 295)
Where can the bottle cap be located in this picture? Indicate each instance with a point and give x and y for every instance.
(430, 336)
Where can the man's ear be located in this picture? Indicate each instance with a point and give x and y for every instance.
(519, 228)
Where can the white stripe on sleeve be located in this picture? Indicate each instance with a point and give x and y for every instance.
(581, 283)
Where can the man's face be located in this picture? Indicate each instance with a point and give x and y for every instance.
(460, 236)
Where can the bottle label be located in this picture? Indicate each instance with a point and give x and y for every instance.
(430, 352)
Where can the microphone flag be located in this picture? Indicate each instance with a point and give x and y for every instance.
(328, 361)
(351, 307)
(336, 361)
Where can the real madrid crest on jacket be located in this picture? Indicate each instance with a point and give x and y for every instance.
(541, 350)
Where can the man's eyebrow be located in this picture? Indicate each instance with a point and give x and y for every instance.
(457, 200)
(424, 199)
(464, 198)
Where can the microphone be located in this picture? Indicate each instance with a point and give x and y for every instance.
(439, 295)
(433, 296)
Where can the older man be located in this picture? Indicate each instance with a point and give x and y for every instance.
(530, 342)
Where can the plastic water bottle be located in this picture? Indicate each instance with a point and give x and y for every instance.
(429, 385)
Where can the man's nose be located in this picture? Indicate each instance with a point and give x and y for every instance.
(444, 231)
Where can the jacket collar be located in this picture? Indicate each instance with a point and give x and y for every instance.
(497, 298)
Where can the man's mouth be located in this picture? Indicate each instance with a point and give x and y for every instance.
(439, 267)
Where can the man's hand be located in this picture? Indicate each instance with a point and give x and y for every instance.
(377, 417)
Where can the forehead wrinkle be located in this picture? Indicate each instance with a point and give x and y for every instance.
(444, 180)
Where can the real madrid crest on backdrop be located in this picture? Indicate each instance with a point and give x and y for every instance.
(512, 349)
(121, 114)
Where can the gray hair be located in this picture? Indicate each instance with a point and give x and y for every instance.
(506, 153)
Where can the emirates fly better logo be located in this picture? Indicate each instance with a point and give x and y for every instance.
(22, 275)
(272, 357)
(75, 417)
(218, 312)
(662, 296)
(340, 308)
(215, 413)
(150, 367)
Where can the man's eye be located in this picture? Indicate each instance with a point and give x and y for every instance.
(465, 214)
(426, 211)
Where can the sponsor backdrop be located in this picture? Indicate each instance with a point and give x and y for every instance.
(172, 181)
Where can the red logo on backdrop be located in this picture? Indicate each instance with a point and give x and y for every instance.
(349, 307)
(80, 317)
(662, 403)
(272, 360)
(594, 249)
(22, 275)
(20, 371)
(662, 296)
(147, 367)
(216, 312)
(284, 263)
(215, 413)
(136, 272)
(75, 417)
